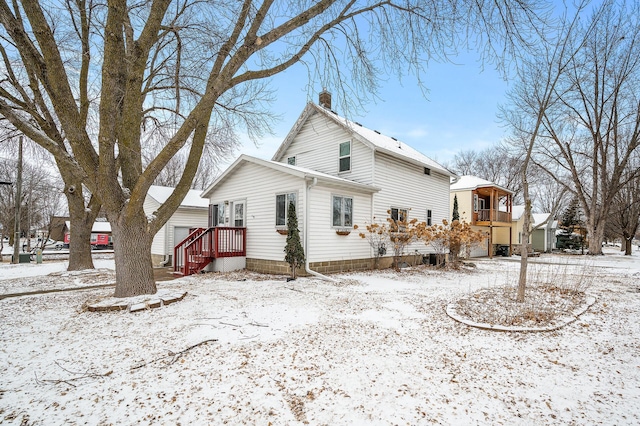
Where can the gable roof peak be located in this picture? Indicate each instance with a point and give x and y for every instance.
(374, 139)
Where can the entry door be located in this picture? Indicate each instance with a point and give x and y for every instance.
(238, 212)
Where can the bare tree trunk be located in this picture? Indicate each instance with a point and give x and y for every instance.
(627, 244)
(132, 248)
(80, 244)
(82, 215)
(524, 249)
(596, 236)
(81, 221)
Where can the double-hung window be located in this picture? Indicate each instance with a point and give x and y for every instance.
(282, 207)
(342, 211)
(345, 157)
(429, 218)
(399, 217)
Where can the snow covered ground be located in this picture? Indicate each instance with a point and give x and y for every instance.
(373, 349)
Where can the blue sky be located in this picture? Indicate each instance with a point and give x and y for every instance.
(459, 112)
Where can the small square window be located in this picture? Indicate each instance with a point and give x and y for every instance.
(427, 171)
(291, 160)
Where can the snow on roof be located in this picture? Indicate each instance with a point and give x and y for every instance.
(393, 146)
(192, 199)
(468, 182)
(100, 227)
(373, 138)
(517, 212)
(298, 171)
(538, 218)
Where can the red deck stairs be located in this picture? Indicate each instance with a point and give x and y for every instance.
(203, 245)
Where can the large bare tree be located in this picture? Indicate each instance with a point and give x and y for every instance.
(624, 218)
(500, 164)
(535, 92)
(594, 130)
(188, 63)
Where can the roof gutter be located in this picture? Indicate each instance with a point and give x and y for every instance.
(308, 270)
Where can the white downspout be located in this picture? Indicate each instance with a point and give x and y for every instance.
(306, 232)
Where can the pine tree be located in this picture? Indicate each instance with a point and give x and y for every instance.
(572, 217)
(456, 214)
(294, 253)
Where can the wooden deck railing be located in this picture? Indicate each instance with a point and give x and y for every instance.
(203, 245)
(484, 215)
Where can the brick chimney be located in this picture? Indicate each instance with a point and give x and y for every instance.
(324, 99)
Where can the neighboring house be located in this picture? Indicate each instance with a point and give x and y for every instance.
(192, 213)
(543, 239)
(487, 207)
(100, 234)
(339, 174)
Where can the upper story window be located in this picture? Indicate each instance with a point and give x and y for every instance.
(342, 211)
(427, 171)
(282, 207)
(345, 157)
(291, 160)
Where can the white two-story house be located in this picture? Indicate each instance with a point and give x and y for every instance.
(339, 174)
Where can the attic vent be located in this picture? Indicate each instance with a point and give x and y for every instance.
(427, 171)
(377, 131)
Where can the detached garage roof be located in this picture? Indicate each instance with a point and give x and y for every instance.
(98, 227)
(192, 199)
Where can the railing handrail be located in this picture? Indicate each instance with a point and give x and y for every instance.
(484, 215)
(203, 244)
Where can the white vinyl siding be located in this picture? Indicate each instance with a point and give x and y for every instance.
(186, 217)
(317, 147)
(258, 187)
(406, 186)
(326, 244)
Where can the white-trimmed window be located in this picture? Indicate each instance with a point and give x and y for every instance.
(342, 211)
(238, 210)
(344, 158)
(429, 218)
(282, 207)
(291, 160)
(216, 214)
(401, 215)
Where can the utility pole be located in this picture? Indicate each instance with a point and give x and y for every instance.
(16, 226)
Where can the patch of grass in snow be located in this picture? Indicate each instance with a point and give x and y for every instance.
(553, 294)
